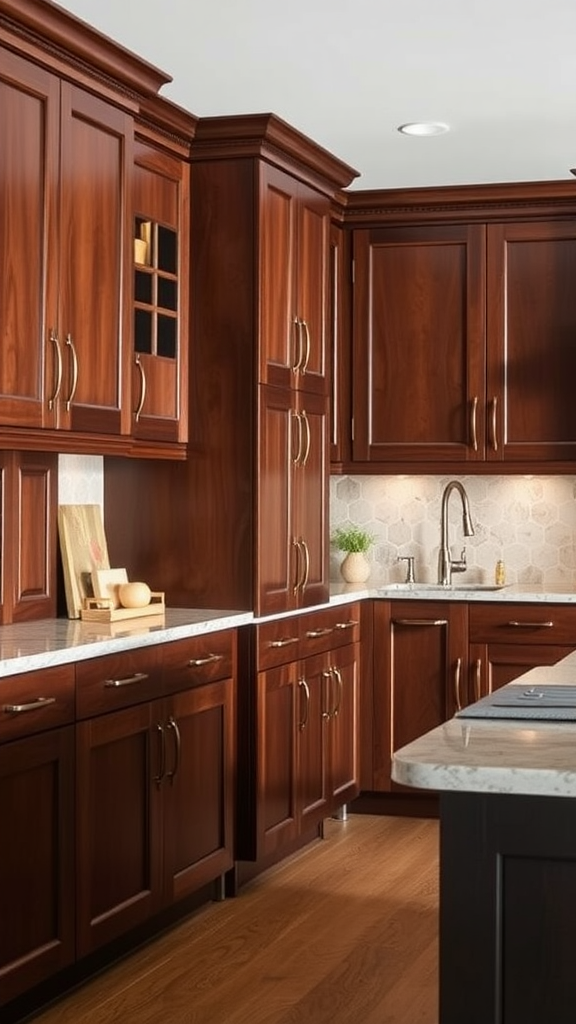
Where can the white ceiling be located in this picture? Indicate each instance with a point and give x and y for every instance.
(501, 73)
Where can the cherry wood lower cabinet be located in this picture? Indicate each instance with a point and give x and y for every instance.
(420, 675)
(155, 783)
(302, 709)
(37, 814)
(509, 639)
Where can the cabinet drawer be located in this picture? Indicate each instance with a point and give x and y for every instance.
(197, 660)
(329, 628)
(118, 681)
(277, 642)
(522, 623)
(35, 701)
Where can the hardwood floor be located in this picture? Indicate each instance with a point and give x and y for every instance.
(344, 933)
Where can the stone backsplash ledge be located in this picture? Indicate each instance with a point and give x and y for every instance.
(529, 522)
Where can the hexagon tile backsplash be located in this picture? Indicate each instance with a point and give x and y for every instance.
(529, 522)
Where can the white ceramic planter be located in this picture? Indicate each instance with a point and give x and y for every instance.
(355, 568)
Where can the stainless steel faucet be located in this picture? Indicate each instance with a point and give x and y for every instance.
(446, 564)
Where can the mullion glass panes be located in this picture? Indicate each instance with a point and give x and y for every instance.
(156, 290)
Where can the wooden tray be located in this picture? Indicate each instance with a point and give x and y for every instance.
(101, 609)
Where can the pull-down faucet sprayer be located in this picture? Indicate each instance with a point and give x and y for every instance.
(446, 564)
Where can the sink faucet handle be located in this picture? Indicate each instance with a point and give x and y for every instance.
(409, 559)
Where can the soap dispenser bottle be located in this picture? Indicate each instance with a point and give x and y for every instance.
(500, 573)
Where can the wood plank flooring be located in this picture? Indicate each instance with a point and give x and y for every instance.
(344, 933)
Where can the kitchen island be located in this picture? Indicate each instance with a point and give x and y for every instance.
(507, 861)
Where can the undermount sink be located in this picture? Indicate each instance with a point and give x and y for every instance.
(443, 589)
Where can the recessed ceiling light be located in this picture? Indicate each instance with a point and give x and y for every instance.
(424, 128)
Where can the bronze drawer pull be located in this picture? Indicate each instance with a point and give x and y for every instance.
(74, 384)
(58, 373)
(336, 673)
(304, 721)
(473, 419)
(493, 424)
(173, 726)
(530, 625)
(304, 362)
(208, 660)
(162, 754)
(313, 634)
(283, 643)
(140, 405)
(420, 622)
(346, 625)
(138, 677)
(17, 709)
(457, 681)
(327, 675)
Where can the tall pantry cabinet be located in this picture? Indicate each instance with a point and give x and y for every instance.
(249, 508)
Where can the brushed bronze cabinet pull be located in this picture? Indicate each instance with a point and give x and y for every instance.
(478, 679)
(346, 625)
(284, 642)
(473, 422)
(58, 373)
(306, 423)
(518, 624)
(161, 754)
(338, 676)
(299, 565)
(298, 362)
(303, 685)
(208, 660)
(173, 726)
(420, 622)
(493, 428)
(115, 684)
(306, 359)
(327, 676)
(140, 405)
(457, 681)
(39, 702)
(313, 634)
(306, 565)
(74, 357)
(296, 459)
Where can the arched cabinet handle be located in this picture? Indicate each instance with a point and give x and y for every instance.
(58, 372)
(140, 405)
(74, 360)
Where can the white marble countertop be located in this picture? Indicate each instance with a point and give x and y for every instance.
(488, 756)
(25, 647)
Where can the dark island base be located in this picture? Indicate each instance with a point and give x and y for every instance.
(507, 909)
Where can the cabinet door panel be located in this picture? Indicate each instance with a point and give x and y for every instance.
(531, 329)
(276, 784)
(198, 788)
(314, 697)
(492, 665)
(94, 232)
(310, 500)
(277, 564)
(36, 859)
(419, 345)
(29, 115)
(344, 725)
(421, 649)
(313, 280)
(279, 336)
(119, 824)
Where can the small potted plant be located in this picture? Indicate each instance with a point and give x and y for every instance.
(355, 567)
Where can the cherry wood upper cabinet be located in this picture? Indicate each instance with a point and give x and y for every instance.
(294, 281)
(464, 315)
(419, 348)
(161, 205)
(531, 331)
(30, 118)
(63, 238)
(90, 319)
